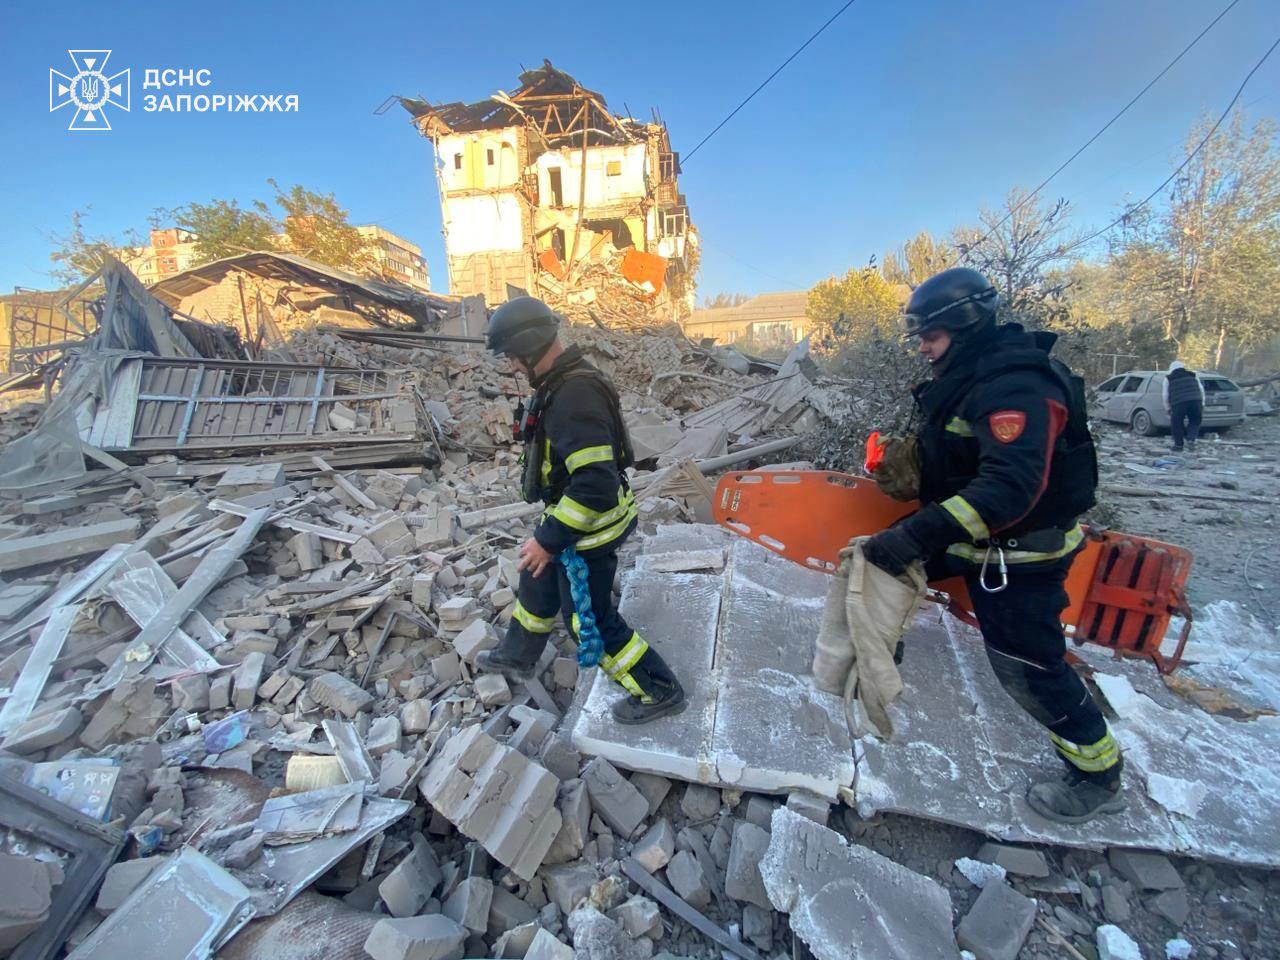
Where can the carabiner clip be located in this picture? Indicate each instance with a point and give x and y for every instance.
(1004, 570)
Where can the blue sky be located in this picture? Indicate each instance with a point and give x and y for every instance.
(902, 116)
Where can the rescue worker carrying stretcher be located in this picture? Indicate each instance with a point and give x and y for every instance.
(1002, 460)
(576, 452)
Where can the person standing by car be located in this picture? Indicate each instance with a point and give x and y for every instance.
(1184, 402)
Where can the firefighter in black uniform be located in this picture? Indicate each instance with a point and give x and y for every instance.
(576, 452)
(1006, 467)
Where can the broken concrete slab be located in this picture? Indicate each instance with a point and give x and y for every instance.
(292, 868)
(546, 947)
(45, 730)
(997, 924)
(497, 796)
(187, 908)
(433, 937)
(63, 544)
(965, 754)
(743, 650)
(407, 888)
(846, 901)
(1146, 871)
(687, 878)
(619, 804)
(336, 692)
(1019, 861)
(27, 886)
(470, 902)
(742, 879)
(122, 879)
(656, 848)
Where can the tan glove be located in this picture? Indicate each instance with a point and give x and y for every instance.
(898, 473)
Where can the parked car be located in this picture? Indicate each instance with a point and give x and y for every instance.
(1136, 398)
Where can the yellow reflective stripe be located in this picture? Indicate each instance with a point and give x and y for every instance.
(580, 458)
(968, 517)
(585, 520)
(574, 515)
(628, 683)
(532, 622)
(961, 427)
(611, 533)
(546, 462)
(1092, 757)
(626, 658)
(967, 551)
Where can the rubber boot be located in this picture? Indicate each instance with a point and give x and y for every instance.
(666, 700)
(1078, 796)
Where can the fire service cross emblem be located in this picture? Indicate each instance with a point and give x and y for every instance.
(90, 90)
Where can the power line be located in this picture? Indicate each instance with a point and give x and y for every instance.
(1123, 110)
(783, 65)
(1190, 156)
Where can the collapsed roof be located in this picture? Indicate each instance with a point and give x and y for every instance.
(424, 308)
(548, 101)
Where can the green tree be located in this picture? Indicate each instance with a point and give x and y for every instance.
(77, 254)
(858, 305)
(316, 227)
(224, 229)
(918, 259)
(1205, 261)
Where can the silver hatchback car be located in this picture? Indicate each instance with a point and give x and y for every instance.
(1136, 398)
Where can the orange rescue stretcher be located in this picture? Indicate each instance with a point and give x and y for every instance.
(1123, 589)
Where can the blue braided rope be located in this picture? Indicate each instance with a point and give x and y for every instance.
(590, 643)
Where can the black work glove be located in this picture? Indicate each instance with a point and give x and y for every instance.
(893, 550)
(918, 537)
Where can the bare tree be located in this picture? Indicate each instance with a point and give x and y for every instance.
(1019, 248)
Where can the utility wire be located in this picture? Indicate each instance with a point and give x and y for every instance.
(685, 159)
(1123, 110)
(1182, 166)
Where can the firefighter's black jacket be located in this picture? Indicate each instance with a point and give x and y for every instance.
(581, 448)
(995, 465)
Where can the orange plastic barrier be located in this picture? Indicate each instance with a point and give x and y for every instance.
(1123, 589)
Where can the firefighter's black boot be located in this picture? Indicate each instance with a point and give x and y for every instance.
(1078, 796)
(516, 657)
(494, 661)
(666, 700)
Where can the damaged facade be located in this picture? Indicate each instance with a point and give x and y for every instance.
(518, 210)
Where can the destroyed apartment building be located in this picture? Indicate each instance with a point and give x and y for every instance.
(240, 715)
(546, 190)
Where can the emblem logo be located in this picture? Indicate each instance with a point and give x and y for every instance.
(1007, 425)
(90, 90)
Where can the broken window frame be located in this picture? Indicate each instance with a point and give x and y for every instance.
(92, 846)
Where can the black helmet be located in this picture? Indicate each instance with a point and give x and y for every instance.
(524, 328)
(954, 300)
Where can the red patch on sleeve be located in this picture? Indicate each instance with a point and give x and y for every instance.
(1007, 425)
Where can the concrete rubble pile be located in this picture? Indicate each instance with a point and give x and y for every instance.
(259, 683)
(253, 691)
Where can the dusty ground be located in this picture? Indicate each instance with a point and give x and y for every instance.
(1234, 543)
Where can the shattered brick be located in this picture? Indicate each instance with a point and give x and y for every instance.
(495, 795)
(619, 804)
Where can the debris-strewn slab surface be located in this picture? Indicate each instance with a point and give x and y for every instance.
(740, 640)
(850, 903)
(964, 754)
